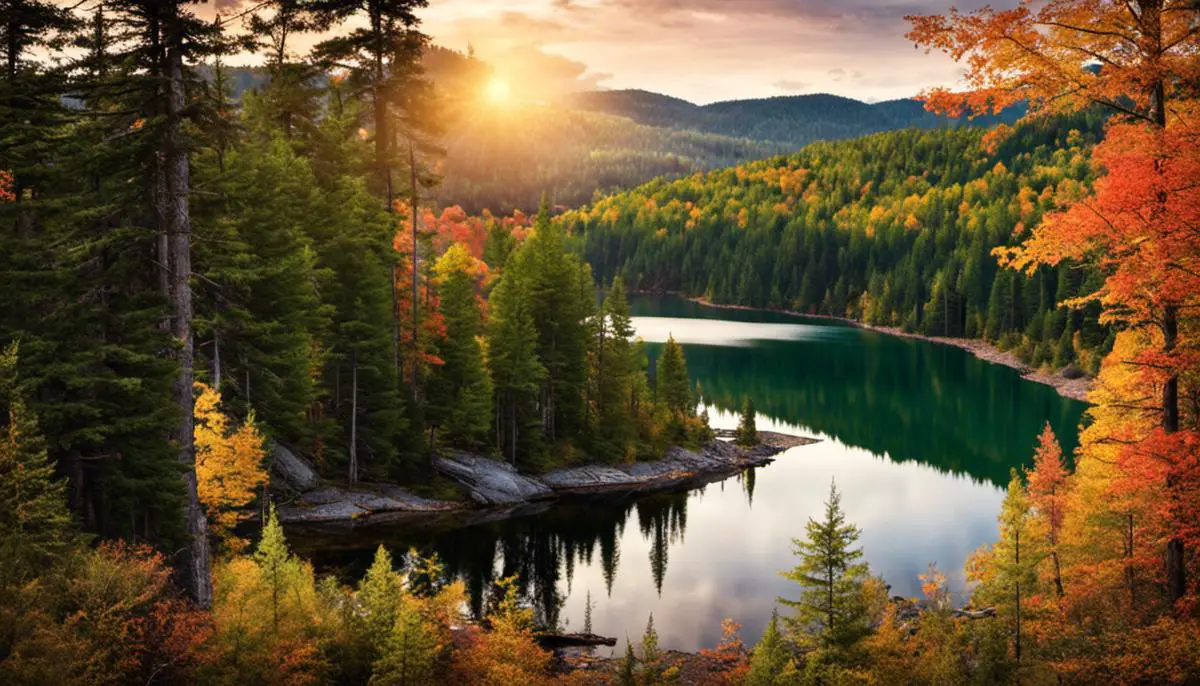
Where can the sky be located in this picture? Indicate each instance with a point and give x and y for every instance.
(700, 50)
(703, 50)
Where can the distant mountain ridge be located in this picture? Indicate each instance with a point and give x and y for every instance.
(795, 120)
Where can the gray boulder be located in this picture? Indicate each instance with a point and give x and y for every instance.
(490, 482)
(292, 470)
(357, 504)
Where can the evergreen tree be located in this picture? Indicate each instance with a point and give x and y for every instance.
(747, 431)
(259, 306)
(516, 372)
(281, 571)
(771, 656)
(616, 366)
(830, 606)
(460, 385)
(560, 295)
(36, 530)
(673, 389)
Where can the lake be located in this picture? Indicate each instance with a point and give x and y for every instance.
(919, 438)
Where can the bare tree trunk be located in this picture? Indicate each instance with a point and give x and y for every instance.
(353, 477)
(178, 187)
(1018, 555)
(1175, 557)
(412, 178)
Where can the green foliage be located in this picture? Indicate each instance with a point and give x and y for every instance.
(831, 606)
(36, 530)
(747, 431)
(893, 229)
(516, 371)
(771, 657)
(460, 391)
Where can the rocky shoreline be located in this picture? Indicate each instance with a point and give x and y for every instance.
(1073, 388)
(496, 490)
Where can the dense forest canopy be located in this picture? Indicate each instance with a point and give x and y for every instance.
(191, 280)
(894, 229)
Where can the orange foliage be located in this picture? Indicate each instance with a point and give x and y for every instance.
(136, 629)
(229, 464)
(1045, 54)
(730, 653)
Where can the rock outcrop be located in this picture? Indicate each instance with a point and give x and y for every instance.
(490, 482)
(496, 489)
(292, 471)
(354, 503)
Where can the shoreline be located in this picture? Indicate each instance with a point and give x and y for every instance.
(1074, 389)
(497, 491)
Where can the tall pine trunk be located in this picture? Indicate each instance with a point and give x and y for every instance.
(177, 182)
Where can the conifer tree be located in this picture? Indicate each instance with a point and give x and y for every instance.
(460, 391)
(673, 389)
(771, 656)
(616, 366)
(515, 370)
(35, 527)
(830, 606)
(747, 431)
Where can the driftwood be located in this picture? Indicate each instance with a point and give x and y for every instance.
(562, 640)
(976, 614)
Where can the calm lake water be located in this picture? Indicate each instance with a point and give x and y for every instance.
(919, 438)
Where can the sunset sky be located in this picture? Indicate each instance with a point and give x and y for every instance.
(703, 50)
(700, 50)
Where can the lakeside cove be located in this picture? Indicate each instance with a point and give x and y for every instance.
(495, 489)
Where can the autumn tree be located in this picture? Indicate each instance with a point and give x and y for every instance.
(1047, 491)
(1137, 60)
(229, 464)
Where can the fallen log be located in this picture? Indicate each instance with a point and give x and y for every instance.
(562, 640)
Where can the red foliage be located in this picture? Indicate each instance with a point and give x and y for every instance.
(6, 184)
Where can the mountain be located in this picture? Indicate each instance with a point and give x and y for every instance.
(506, 156)
(794, 120)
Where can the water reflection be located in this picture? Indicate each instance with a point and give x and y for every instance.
(919, 438)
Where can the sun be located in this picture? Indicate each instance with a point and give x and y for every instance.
(497, 90)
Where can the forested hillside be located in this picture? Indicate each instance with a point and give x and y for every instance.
(793, 120)
(894, 229)
(509, 154)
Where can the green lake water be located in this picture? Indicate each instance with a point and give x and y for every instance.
(919, 437)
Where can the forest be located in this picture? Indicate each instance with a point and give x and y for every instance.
(894, 229)
(190, 279)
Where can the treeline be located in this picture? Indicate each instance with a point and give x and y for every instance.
(894, 229)
(508, 156)
(792, 120)
(158, 239)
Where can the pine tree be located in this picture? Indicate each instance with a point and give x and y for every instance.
(560, 296)
(830, 606)
(380, 597)
(36, 530)
(771, 656)
(460, 385)
(280, 570)
(516, 371)
(673, 389)
(355, 247)
(747, 431)
(616, 366)
(259, 306)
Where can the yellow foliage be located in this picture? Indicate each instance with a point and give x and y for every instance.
(229, 467)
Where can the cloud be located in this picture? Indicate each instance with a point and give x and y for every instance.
(791, 86)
